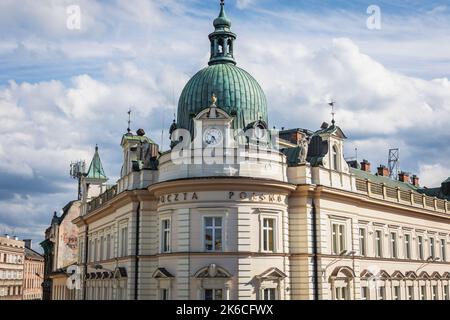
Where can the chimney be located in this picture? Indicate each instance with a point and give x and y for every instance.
(28, 243)
(403, 177)
(383, 171)
(6, 236)
(415, 181)
(365, 165)
(16, 238)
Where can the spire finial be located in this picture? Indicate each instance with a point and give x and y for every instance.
(129, 121)
(96, 147)
(332, 103)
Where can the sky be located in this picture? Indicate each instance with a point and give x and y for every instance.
(66, 84)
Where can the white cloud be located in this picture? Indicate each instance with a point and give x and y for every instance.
(244, 4)
(431, 175)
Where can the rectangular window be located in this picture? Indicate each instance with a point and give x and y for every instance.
(381, 293)
(102, 248)
(443, 255)
(362, 241)
(124, 242)
(164, 294)
(423, 292)
(338, 238)
(268, 234)
(378, 243)
(445, 292)
(213, 294)
(420, 246)
(434, 291)
(396, 293)
(269, 294)
(213, 233)
(393, 245)
(165, 235)
(407, 246)
(108, 246)
(341, 293)
(410, 291)
(364, 293)
(432, 248)
(91, 251)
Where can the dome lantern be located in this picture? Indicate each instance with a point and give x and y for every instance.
(222, 39)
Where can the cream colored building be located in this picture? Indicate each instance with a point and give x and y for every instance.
(11, 268)
(33, 273)
(262, 216)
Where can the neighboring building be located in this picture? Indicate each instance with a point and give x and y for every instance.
(33, 273)
(60, 251)
(293, 221)
(11, 268)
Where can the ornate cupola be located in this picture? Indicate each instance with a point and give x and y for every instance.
(222, 39)
(237, 92)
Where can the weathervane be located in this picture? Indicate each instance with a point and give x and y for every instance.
(332, 103)
(129, 121)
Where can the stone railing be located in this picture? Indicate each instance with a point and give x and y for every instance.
(97, 202)
(418, 200)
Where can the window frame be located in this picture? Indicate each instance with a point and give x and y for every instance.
(162, 235)
(213, 216)
(362, 238)
(341, 237)
(393, 244)
(379, 254)
(407, 241)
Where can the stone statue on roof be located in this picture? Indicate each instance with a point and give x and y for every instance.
(303, 144)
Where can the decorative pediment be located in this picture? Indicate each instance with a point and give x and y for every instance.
(272, 274)
(342, 271)
(120, 272)
(424, 275)
(446, 275)
(212, 271)
(383, 275)
(213, 113)
(436, 275)
(366, 274)
(397, 275)
(411, 275)
(162, 273)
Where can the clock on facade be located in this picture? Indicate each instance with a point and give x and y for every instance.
(212, 136)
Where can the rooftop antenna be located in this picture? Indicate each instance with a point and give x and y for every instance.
(129, 121)
(77, 170)
(332, 103)
(393, 162)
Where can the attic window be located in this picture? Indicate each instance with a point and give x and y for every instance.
(334, 158)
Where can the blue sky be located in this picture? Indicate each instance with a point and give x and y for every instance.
(62, 91)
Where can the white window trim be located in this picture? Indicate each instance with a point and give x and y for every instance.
(161, 231)
(366, 237)
(224, 220)
(276, 233)
(405, 235)
(381, 255)
(396, 244)
(345, 236)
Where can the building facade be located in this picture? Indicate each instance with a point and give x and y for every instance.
(236, 211)
(60, 252)
(11, 268)
(33, 273)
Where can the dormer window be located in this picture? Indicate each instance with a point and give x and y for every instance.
(334, 158)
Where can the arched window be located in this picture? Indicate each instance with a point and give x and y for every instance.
(334, 158)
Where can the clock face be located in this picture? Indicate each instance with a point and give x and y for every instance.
(212, 136)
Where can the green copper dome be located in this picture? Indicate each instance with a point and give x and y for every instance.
(238, 93)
